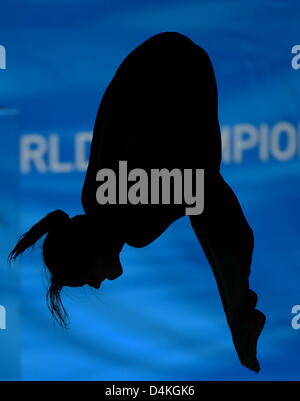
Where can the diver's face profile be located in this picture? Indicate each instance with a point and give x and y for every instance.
(101, 267)
(104, 266)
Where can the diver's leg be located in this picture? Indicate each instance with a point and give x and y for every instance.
(227, 241)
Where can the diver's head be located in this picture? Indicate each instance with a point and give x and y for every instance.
(77, 254)
(74, 252)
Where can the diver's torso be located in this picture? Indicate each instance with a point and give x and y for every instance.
(135, 225)
(146, 226)
(158, 112)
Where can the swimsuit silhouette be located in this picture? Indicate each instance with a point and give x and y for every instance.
(159, 111)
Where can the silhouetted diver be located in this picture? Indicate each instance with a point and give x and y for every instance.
(159, 111)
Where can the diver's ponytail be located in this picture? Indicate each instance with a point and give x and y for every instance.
(49, 222)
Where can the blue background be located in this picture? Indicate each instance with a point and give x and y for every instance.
(148, 325)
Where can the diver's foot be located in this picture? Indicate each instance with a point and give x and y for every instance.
(245, 336)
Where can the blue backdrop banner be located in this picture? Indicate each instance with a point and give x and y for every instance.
(57, 57)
